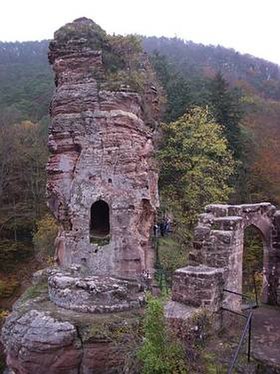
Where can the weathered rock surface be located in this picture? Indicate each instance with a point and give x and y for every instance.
(37, 343)
(94, 294)
(40, 337)
(102, 189)
(102, 149)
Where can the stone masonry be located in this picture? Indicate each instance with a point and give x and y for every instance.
(198, 286)
(218, 243)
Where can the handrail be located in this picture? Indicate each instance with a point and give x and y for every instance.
(255, 289)
(256, 305)
(237, 293)
(247, 328)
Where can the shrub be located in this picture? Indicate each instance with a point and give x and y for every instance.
(44, 237)
(12, 252)
(160, 353)
(7, 288)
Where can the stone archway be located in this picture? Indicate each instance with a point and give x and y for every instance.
(218, 242)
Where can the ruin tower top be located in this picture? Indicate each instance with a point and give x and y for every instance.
(102, 175)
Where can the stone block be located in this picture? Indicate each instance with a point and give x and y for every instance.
(198, 286)
(202, 232)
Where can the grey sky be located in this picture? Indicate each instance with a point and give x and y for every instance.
(249, 26)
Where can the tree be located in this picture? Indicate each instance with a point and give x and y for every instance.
(44, 237)
(226, 108)
(176, 87)
(23, 155)
(196, 165)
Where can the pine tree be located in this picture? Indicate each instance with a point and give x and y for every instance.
(226, 108)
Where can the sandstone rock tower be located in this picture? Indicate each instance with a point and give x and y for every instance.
(102, 179)
(102, 188)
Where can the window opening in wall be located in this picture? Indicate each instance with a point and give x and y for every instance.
(100, 223)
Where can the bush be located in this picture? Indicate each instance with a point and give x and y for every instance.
(8, 288)
(172, 255)
(44, 237)
(160, 353)
(12, 252)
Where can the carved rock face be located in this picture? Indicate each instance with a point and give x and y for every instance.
(102, 150)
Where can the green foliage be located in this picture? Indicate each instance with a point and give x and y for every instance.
(160, 354)
(8, 287)
(252, 261)
(172, 255)
(196, 165)
(194, 60)
(23, 157)
(226, 107)
(12, 253)
(122, 53)
(26, 81)
(34, 291)
(124, 64)
(177, 88)
(134, 79)
(211, 365)
(94, 36)
(44, 236)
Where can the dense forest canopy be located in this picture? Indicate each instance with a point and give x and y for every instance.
(26, 81)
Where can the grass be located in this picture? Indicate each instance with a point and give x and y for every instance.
(171, 254)
(34, 291)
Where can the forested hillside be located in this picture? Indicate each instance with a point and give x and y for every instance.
(191, 59)
(188, 72)
(239, 92)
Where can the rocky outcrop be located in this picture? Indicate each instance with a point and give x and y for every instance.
(40, 337)
(37, 343)
(102, 188)
(94, 294)
(104, 118)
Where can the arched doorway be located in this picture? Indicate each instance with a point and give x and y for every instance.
(254, 284)
(100, 222)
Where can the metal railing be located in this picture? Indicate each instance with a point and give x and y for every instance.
(247, 330)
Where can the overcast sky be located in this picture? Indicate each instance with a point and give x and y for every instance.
(249, 26)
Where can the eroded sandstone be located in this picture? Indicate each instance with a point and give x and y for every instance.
(41, 337)
(102, 189)
(104, 118)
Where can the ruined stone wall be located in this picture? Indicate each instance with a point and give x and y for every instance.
(102, 148)
(198, 286)
(274, 263)
(218, 242)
